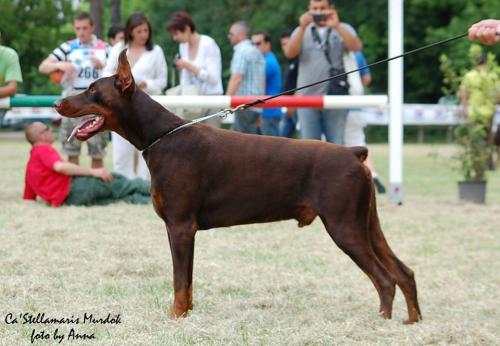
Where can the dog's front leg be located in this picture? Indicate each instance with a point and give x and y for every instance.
(181, 240)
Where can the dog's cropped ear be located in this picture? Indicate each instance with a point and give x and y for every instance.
(124, 79)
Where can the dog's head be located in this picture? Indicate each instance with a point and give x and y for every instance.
(108, 99)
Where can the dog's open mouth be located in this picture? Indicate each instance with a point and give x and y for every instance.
(87, 128)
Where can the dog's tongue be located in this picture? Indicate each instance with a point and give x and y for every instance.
(87, 128)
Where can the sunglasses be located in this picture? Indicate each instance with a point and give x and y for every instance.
(44, 130)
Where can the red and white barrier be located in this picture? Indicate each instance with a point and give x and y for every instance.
(223, 102)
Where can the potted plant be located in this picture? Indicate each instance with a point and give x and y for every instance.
(478, 93)
(473, 157)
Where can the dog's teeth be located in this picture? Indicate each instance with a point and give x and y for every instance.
(78, 130)
(75, 130)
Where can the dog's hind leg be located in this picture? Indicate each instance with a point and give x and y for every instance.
(404, 276)
(181, 239)
(351, 237)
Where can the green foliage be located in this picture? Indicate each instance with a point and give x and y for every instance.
(428, 21)
(475, 151)
(451, 79)
(479, 90)
(34, 28)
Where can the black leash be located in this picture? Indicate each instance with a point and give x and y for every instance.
(253, 103)
(225, 112)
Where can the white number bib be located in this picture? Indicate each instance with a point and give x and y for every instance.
(86, 72)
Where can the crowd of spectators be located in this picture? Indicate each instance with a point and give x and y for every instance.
(315, 50)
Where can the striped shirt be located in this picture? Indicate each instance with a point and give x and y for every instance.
(79, 55)
(249, 62)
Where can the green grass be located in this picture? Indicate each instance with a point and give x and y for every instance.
(431, 171)
(266, 284)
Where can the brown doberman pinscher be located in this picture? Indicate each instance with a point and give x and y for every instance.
(203, 177)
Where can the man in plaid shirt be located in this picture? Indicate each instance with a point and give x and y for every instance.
(248, 75)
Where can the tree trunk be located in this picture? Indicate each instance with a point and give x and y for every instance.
(96, 12)
(115, 12)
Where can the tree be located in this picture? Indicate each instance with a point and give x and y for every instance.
(34, 28)
(96, 12)
(428, 21)
(115, 12)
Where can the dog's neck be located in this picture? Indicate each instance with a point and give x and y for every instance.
(145, 120)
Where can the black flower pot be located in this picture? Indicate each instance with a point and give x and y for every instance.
(472, 191)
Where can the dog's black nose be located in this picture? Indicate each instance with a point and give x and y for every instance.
(57, 104)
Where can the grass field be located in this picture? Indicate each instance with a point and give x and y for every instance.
(267, 284)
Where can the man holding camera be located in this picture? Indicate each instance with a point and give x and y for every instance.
(320, 42)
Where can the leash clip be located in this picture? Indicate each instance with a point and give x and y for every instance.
(225, 112)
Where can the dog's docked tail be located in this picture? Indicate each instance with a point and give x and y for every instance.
(360, 152)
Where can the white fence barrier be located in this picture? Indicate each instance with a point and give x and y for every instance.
(413, 115)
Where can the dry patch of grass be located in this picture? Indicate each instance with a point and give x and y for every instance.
(270, 284)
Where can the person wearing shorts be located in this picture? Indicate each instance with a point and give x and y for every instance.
(81, 60)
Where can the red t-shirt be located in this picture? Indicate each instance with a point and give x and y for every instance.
(41, 179)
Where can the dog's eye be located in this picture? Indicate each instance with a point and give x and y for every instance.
(92, 90)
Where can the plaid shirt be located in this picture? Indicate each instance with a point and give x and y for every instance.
(249, 62)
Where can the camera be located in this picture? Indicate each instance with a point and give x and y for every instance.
(318, 17)
(176, 57)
